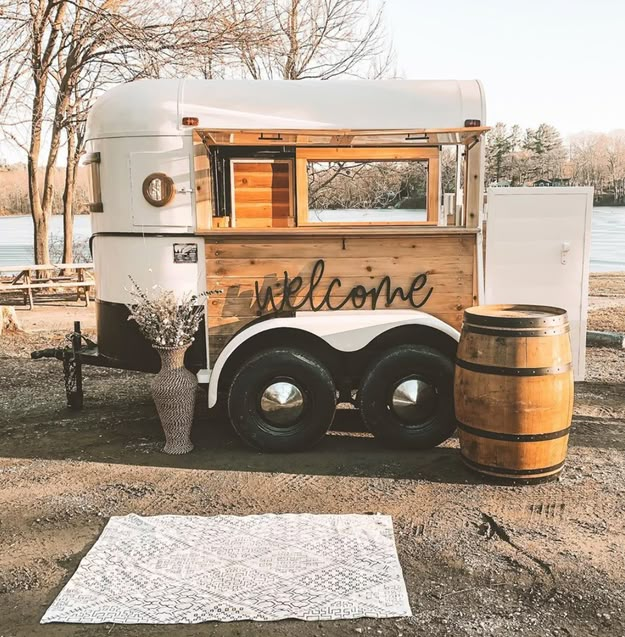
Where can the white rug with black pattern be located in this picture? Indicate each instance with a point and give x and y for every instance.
(174, 569)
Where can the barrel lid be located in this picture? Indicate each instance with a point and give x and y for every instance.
(511, 315)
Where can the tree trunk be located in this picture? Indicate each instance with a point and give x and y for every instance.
(46, 29)
(40, 238)
(40, 218)
(37, 210)
(68, 198)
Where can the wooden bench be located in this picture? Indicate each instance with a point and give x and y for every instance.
(27, 278)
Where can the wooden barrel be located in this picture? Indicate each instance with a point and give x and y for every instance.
(514, 390)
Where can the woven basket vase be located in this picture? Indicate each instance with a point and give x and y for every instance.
(173, 390)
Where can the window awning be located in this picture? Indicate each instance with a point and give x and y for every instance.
(343, 137)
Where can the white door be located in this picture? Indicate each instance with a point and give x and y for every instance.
(538, 252)
(175, 164)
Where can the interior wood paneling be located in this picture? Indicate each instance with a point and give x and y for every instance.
(262, 194)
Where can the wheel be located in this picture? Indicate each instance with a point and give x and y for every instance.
(282, 400)
(406, 397)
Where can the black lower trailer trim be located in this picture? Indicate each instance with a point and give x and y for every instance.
(121, 345)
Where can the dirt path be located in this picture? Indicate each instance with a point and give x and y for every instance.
(478, 559)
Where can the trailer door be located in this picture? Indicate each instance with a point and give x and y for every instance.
(538, 252)
(173, 163)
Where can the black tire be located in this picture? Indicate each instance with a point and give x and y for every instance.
(316, 388)
(432, 422)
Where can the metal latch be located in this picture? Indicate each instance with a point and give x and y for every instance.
(564, 252)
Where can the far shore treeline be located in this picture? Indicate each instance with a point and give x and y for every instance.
(539, 156)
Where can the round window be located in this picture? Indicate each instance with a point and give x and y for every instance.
(158, 189)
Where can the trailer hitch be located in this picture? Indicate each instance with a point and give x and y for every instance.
(70, 354)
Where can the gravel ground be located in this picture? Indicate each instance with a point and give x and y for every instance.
(478, 558)
(607, 302)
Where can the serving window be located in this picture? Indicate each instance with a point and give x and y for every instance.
(285, 187)
(367, 191)
(367, 186)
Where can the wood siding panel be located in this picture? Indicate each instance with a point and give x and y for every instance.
(272, 247)
(236, 263)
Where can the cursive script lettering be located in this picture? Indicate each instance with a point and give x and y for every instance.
(358, 295)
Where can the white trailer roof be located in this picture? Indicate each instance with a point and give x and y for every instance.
(156, 107)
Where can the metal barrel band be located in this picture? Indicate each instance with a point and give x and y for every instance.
(511, 472)
(498, 321)
(514, 371)
(559, 317)
(495, 435)
(509, 333)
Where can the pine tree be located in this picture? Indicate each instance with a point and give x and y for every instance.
(546, 151)
(501, 143)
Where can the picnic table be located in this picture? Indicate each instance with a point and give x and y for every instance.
(26, 278)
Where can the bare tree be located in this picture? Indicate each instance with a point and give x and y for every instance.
(217, 35)
(320, 39)
(59, 41)
(367, 185)
(615, 164)
(598, 159)
(57, 56)
(586, 156)
(34, 28)
(74, 125)
(61, 54)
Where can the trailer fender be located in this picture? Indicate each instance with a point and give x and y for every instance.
(345, 331)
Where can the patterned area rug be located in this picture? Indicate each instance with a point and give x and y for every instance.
(171, 569)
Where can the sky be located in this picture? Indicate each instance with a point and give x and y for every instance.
(555, 61)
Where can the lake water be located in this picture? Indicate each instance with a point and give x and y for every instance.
(16, 236)
(607, 252)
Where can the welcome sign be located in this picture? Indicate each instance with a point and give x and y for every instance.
(416, 294)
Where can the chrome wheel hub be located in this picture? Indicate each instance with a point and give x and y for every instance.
(282, 403)
(413, 400)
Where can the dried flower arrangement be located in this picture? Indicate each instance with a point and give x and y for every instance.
(164, 320)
